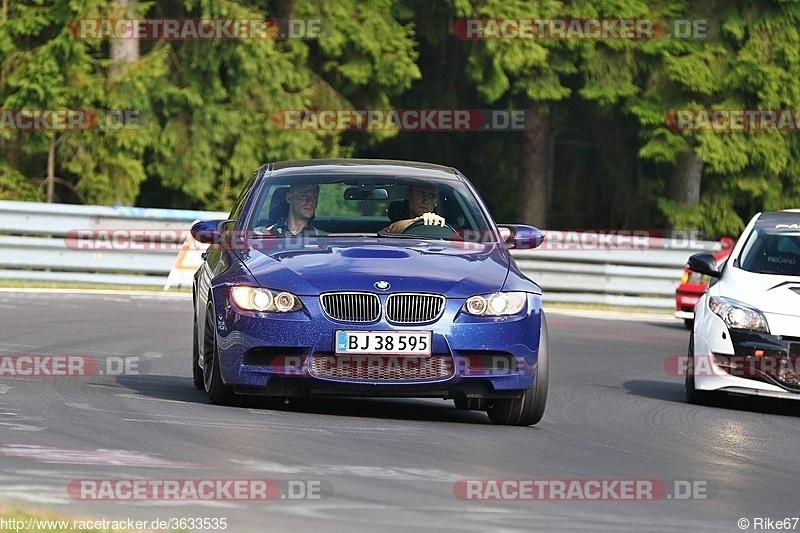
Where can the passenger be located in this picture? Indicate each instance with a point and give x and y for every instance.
(302, 200)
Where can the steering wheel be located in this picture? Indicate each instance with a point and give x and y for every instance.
(419, 228)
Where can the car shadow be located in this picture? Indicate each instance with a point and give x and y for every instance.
(678, 325)
(673, 392)
(181, 389)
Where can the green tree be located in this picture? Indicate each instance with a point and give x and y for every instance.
(525, 74)
(711, 179)
(218, 112)
(47, 68)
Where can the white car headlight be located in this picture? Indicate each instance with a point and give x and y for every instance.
(495, 304)
(265, 300)
(737, 315)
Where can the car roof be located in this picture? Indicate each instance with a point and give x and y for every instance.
(779, 217)
(366, 167)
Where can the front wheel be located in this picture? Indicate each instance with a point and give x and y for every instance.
(529, 409)
(217, 391)
(197, 372)
(693, 395)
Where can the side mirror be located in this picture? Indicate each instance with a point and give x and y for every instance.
(208, 231)
(704, 264)
(520, 237)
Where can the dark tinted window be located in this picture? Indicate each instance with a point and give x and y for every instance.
(772, 251)
(367, 204)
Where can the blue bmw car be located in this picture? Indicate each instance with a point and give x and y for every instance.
(368, 278)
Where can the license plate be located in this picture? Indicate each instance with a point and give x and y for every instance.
(384, 342)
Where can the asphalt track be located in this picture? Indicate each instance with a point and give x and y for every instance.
(613, 413)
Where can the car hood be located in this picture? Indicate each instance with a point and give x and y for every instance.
(769, 293)
(456, 270)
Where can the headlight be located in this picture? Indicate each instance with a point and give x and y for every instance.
(265, 300)
(737, 315)
(495, 304)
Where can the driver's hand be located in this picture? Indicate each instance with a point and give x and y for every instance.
(432, 219)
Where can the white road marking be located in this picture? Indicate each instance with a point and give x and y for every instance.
(614, 315)
(48, 454)
(89, 293)
(14, 426)
(397, 473)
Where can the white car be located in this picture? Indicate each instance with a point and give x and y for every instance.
(746, 336)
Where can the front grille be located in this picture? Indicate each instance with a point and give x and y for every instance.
(351, 306)
(414, 308)
(381, 367)
(782, 370)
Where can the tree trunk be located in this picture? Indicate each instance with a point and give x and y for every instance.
(125, 50)
(51, 169)
(537, 152)
(684, 186)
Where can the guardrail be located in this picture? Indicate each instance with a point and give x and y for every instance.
(33, 247)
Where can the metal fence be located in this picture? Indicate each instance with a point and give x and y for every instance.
(35, 244)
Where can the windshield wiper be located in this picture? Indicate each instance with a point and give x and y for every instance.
(408, 236)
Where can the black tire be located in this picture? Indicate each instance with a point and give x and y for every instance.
(688, 323)
(197, 372)
(694, 396)
(217, 391)
(471, 404)
(529, 409)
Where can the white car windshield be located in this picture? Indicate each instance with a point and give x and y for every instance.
(771, 250)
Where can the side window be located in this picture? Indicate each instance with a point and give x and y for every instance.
(236, 212)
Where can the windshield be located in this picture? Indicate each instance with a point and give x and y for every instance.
(381, 206)
(772, 251)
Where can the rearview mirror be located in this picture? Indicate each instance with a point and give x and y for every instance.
(365, 193)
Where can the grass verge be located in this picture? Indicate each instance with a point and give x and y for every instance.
(17, 519)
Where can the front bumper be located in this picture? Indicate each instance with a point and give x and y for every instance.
(280, 354)
(748, 362)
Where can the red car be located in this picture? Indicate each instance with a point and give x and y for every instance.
(693, 285)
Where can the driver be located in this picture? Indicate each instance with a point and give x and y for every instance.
(421, 203)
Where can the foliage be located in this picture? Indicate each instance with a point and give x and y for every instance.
(209, 112)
